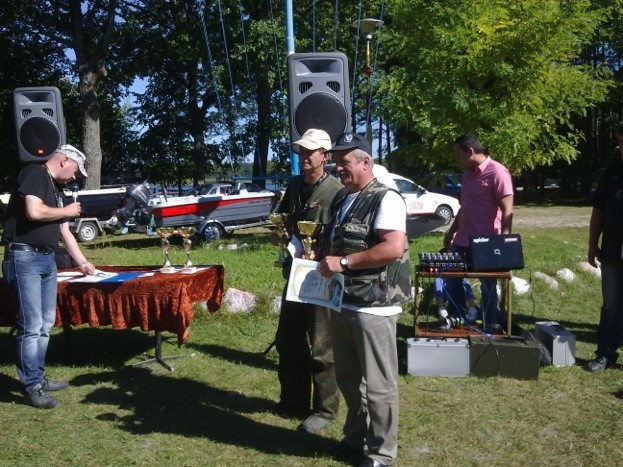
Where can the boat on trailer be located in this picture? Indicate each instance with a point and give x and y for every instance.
(214, 208)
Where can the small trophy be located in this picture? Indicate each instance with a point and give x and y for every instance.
(309, 229)
(279, 220)
(186, 233)
(165, 233)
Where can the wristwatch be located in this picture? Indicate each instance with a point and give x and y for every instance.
(344, 263)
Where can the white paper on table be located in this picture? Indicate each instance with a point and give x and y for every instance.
(95, 277)
(307, 285)
(66, 275)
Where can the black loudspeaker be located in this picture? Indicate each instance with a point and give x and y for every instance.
(39, 122)
(318, 93)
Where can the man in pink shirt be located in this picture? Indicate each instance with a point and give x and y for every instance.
(486, 209)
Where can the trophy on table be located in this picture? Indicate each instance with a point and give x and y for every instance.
(186, 233)
(165, 233)
(309, 229)
(279, 220)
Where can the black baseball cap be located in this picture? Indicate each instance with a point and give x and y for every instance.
(352, 141)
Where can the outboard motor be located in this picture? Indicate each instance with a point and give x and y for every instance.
(135, 206)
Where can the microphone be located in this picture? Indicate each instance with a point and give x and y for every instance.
(74, 191)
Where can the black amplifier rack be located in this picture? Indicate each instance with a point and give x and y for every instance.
(440, 262)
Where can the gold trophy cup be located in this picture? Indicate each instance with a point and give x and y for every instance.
(165, 233)
(279, 220)
(309, 229)
(186, 233)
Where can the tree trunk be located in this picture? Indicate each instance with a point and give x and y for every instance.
(91, 124)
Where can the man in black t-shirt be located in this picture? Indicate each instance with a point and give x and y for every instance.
(607, 222)
(35, 222)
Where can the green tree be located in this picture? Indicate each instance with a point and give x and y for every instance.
(507, 70)
(87, 29)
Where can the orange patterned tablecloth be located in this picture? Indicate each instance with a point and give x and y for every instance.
(162, 302)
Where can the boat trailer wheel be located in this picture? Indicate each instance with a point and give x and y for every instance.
(212, 231)
(87, 232)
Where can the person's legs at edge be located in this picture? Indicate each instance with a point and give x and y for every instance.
(489, 304)
(609, 332)
(294, 368)
(455, 292)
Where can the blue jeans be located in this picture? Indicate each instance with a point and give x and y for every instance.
(31, 277)
(610, 330)
(457, 303)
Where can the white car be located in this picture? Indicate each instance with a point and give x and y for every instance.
(420, 201)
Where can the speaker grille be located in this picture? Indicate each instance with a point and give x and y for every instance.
(323, 111)
(26, 112)
(39, 137)
(48, 112)
(334, 86)
(304, 87)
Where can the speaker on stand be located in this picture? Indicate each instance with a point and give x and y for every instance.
(318, 93)
(39, 122)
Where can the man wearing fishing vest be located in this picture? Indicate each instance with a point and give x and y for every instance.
(368, 245)
(303, 341)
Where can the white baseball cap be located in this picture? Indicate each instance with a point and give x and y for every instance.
(313, 139)
(74, 154)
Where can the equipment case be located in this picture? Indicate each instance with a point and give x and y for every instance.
(559, 342)
(517, 359)
(437, 357)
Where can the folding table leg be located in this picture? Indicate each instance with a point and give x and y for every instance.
(159, 358)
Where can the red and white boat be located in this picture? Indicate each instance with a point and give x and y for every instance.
(214, 208)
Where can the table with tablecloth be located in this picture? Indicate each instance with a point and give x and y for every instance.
(154, 302)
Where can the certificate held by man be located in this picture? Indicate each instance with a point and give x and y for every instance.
(307, 285)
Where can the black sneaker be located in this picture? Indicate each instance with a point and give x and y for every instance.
(343, 449)
(49, 385)
(40, 399)
(598, 365)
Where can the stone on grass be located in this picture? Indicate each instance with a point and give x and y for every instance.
(521, 286)
(565, 274)
(550, 281)
(584, 266)
(203, 306)
(275, 304)
(238, 301)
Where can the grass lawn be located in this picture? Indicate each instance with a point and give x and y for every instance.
(211, 409)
